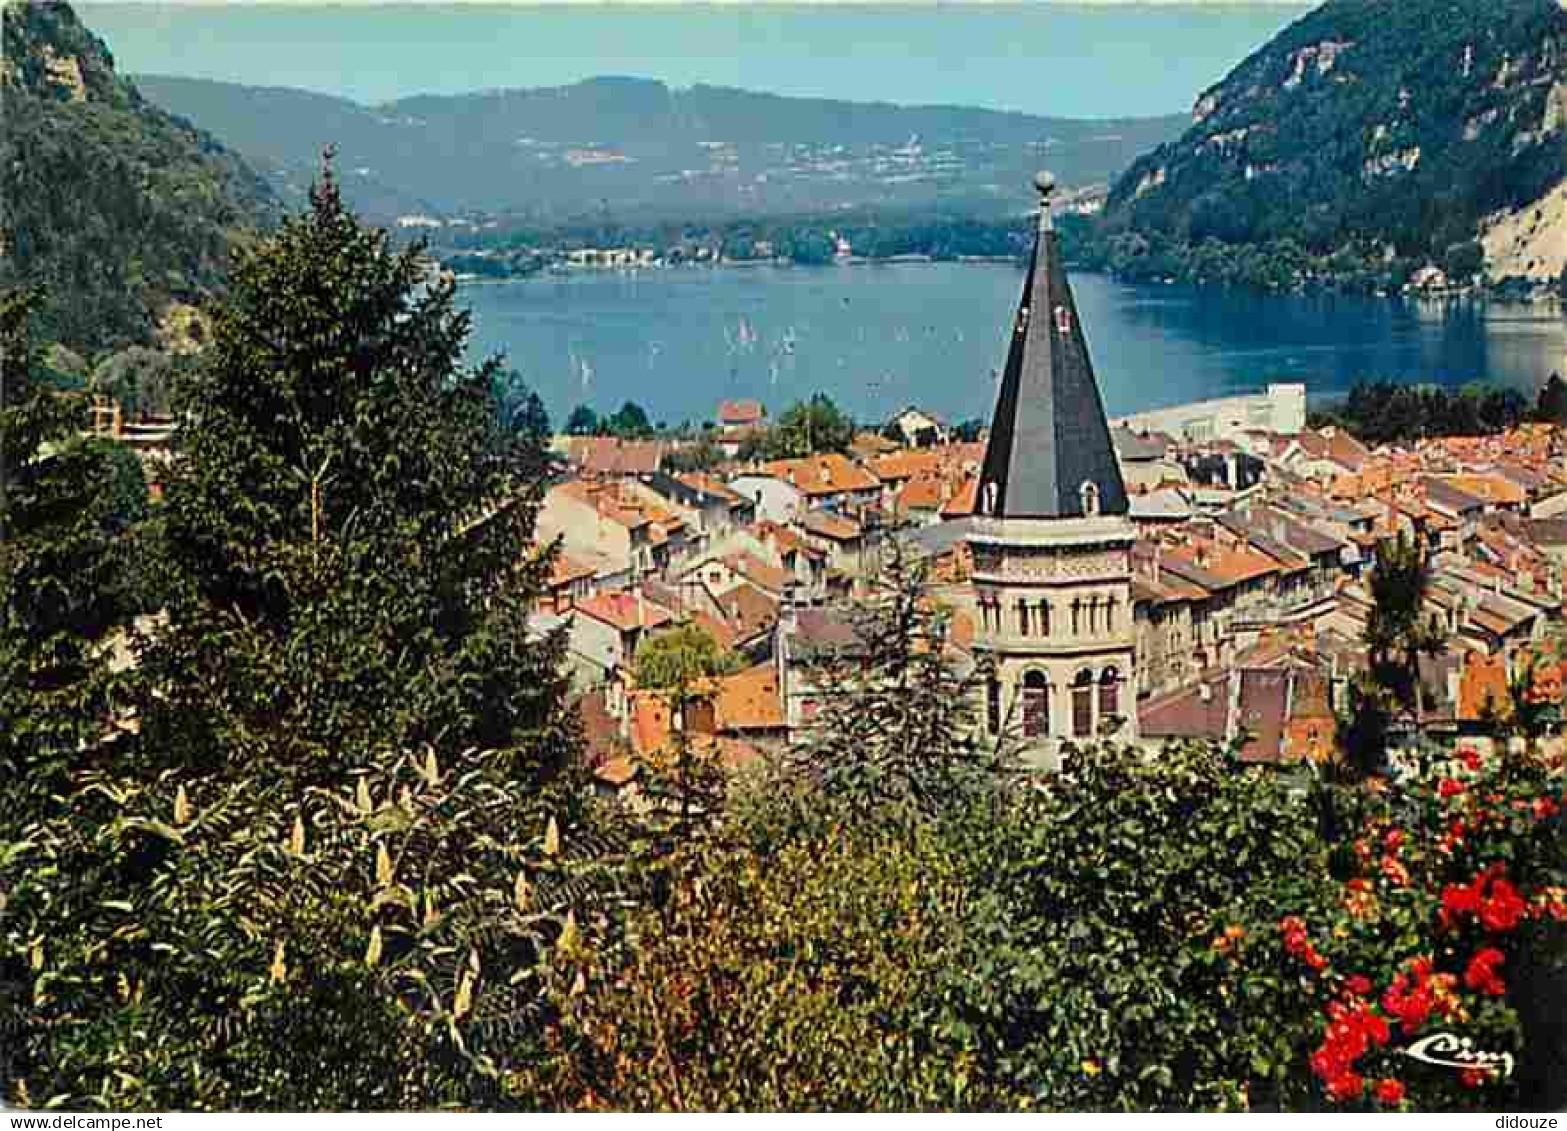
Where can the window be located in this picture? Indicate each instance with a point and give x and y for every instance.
(1089, 493)
(993, 703)
(1022, 617)
(1077, 606)
(1044, 618)
(1109, 693)
(1110, 614)
(1036, 705)
(1083, 704)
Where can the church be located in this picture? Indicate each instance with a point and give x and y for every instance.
(1051, 537)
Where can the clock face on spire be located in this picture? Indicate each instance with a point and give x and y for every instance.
(1049, 436)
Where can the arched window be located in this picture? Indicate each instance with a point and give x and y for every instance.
(1036, 705)
(1089, 493)
(1083, 704)
(1109, 693)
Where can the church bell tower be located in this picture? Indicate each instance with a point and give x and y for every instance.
(1051, 537)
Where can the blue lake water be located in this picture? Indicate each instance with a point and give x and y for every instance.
(876, 338)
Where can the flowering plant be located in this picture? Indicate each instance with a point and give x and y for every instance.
(1453, 875)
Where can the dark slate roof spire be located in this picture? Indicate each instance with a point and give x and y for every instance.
(1050, 454)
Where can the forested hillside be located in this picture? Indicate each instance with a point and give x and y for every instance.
(562, 153)
(1369, 139)
(117, 208)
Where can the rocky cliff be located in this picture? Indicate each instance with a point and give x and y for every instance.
(1392, 131)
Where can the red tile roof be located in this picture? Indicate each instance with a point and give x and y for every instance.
(624, 611)
(740, 412)
(826, 474)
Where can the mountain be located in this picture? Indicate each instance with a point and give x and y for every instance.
(117, 208)
(1369, 138)
(560, 153)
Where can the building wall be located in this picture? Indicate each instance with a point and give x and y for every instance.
(776, 501)
(1083, 561)
(1281, 408)
(582, 528)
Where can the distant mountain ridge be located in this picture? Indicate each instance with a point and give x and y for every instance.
(1372, 130)
(564, 152)
(115, 207)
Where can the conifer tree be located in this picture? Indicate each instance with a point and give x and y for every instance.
(897, 733)
(57, 560)
(350, 837)
(348, 520)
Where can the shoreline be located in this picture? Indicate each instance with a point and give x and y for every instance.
(1536, 300)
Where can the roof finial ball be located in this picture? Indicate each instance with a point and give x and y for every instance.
(1045, 184)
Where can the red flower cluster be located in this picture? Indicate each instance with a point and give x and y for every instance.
(1390, 1091)
(1482, 974)
(1359, 899)
(1414, 995)
(1448, 787)
(1469, 756)
(1296, 943)
(1499, 908)
(1394, 871)
(1355, 1029)
(1545, 808)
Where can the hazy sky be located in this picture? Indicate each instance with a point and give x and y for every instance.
(1114, 58)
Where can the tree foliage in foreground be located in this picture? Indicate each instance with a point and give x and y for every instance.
(58, 564)
(333, 866)
(347, 526)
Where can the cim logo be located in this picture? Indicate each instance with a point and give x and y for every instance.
(1448, 1051)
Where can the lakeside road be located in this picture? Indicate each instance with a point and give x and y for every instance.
(677, 340)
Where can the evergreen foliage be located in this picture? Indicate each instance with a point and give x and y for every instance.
(806, 428)
(348, 525)
(1385, 412)
(332, 864)
(58, 564)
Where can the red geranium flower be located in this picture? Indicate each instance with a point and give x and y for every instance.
(1390, 1091)
(1358, 984)
(1504, 908)
(1470, 757)
(1461, 899)
(1393, 840)
(1481, 974)
(1346, 1086)
(1447, 787)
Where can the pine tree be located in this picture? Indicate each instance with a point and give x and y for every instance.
(352, 832)
(897, 731)
(57, 563)
(348, 522)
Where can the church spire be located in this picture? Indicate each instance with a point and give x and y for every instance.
(1050, 454)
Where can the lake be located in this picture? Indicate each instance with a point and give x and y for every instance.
(876, 338)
